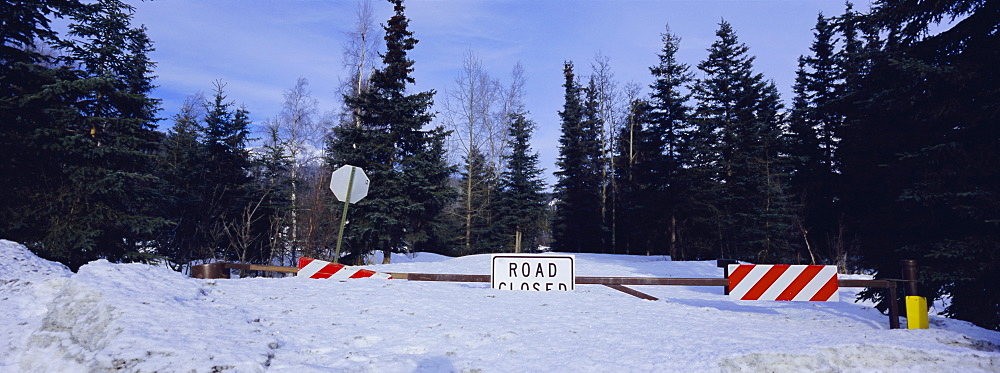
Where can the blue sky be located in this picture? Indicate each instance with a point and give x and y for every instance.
(260, 48)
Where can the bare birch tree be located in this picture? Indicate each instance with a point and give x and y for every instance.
(612, 111)
(299, 133)
(475, 110)
(513, 103)
(361, 51)
(514, 95)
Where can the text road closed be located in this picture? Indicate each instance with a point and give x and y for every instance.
(533, 272)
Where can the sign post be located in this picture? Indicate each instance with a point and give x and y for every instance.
(349, 184)
(533, 272)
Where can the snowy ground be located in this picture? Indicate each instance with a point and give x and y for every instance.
(134, 317)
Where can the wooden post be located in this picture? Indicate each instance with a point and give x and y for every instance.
(255, 267)
(632, 292)
(893, 308)
(910, 276)
(210, 270)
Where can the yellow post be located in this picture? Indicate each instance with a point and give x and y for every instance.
(916, 306)
(916, 313)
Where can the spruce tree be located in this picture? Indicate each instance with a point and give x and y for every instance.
(425, 175)
(920, 152)
(221, 204)
(227, 158)
(405, 162)
(637, 149)
(226, 137)
(651, 147)
(101, 194)
(814, 126)
(183, 166)
(591, 146)
(522, 203)
(577, 224)
(27, 106)
(274, 183)
(236, 223)
(659, 171)
(851, 57)
(479, 232)
(736, 144)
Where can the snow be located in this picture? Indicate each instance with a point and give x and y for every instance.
(141, 318)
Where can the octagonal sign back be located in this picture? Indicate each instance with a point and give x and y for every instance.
(342, 178)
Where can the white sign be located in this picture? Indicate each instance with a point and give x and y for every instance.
(533, 272)
(341, 179)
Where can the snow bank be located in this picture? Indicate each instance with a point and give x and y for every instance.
(398, 326)
(27, 285)
(108, 316)
(861, 358)
(142, 318)
(134, 318)
(18, 264)
(377, 256)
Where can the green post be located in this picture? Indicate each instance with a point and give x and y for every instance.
(343, 216)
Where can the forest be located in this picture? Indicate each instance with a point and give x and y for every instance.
(889, 150)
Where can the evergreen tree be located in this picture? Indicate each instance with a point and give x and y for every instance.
(736, 144)
(660, 175)
(577, 224)
(854, 57)
(276, 182)
(405, 162)
(479, 231)
(426, 174)
(637, 149)
(235, 221)
(130, 122)
(226, 136)
(25, 24)
(522, 202)
(815, 121)
(368, 147)
(920, 152)
(595, 158)
(183, 161)
(220, 204)
(95, 121)
(27, 106)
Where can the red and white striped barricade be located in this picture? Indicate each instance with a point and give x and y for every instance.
(315, 268)
(783, 282)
